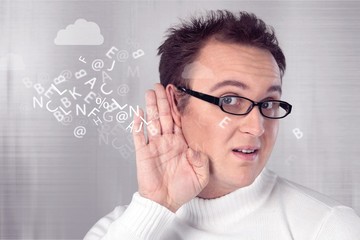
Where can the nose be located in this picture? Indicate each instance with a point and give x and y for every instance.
(253, 123)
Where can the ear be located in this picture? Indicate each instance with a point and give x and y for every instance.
(172, 99)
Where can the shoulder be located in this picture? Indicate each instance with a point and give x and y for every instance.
(141, 219)
(102, 225)
(309, 197)
(340, 223)
(316, 212)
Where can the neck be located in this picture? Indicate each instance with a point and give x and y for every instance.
(213, 209)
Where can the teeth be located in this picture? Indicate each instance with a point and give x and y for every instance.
(245, 151)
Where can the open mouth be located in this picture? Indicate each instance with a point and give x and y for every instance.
(248, 154)
(245, 151)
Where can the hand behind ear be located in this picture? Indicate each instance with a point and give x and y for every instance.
(168, 171)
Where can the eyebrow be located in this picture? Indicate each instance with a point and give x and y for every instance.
(274, 88)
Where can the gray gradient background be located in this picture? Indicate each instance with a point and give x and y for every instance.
(56, 186)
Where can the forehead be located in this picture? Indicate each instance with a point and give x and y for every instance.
(218, 61)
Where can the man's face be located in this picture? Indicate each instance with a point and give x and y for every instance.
(230, 140)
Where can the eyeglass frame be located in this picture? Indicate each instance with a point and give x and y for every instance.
(217, 101)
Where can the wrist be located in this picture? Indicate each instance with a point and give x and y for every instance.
(145, 218)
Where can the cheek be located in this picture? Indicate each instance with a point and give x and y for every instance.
(201, 129)
(271, 131)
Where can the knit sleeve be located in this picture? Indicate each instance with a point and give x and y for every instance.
(341, 223)
(142, 219)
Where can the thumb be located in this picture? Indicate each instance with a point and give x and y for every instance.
(194, 158)
(199, 161)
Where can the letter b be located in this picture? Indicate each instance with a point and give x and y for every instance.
(66, 102)
(298, 134)
(59, 116)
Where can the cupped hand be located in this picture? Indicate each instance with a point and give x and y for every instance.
(168, 171)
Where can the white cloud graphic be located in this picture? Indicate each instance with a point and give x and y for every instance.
(81, 32)
(12, 61)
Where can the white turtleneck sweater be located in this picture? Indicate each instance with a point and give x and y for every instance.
(271, 208)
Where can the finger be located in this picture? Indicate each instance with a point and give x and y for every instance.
(165, 117)
(153, 128)
(138, 130)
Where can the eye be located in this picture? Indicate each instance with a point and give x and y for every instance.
(230, 100)
(267, 105)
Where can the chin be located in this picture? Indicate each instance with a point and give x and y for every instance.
(245, 178)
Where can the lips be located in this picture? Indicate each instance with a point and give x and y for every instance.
(248, 153)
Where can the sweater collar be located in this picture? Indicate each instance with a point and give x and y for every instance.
(235, 205)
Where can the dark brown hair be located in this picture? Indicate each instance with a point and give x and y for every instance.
(183, 42)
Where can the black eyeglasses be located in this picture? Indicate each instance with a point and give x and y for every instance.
(237, 105)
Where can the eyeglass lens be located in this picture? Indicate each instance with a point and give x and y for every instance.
(239, 105)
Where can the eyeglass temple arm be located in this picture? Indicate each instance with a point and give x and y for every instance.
(203, 96)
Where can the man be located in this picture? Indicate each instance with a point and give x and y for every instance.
(214, 121)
